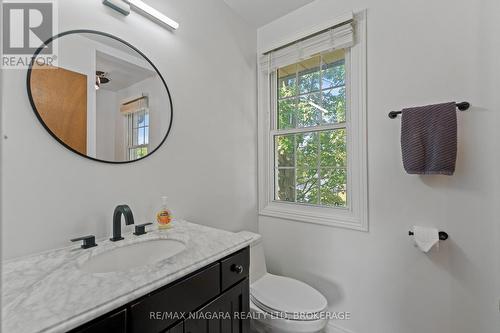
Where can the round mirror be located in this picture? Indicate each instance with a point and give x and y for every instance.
(100, 97)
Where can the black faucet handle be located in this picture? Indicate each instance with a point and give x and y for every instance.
(141, 229)
(88, 241)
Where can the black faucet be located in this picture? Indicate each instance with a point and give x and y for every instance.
(117, 221)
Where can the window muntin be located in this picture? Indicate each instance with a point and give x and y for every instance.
(310, 135)
(138, 134)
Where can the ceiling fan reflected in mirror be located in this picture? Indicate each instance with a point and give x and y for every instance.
(101, 78)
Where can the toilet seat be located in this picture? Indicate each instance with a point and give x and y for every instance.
(287, 298)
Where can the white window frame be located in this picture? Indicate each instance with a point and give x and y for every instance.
(355, 215)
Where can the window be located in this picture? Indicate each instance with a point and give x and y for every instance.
(138, 134)
(310, 132)
(136, 112)
(312, 128)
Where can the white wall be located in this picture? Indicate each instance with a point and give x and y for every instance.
(107, 110)
(419, 52)
(207, 166)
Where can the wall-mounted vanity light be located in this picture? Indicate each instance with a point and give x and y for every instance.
(118, 5)
(124, 7)
(152, 13)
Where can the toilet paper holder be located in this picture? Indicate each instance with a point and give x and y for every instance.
(442, 235)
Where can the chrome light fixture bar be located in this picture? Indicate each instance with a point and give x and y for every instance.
(152, 13)
(124, 7)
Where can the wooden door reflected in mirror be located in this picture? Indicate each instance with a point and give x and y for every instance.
(60, 96)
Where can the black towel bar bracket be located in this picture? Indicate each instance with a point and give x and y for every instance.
(442, 235)
(461, 106)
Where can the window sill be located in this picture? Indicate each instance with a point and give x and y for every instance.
(331, 217)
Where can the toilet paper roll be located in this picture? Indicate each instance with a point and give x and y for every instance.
(425, 237)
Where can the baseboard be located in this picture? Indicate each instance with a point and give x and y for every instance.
(334, 328)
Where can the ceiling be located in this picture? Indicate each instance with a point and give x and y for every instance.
(261, 12)
(123, 74)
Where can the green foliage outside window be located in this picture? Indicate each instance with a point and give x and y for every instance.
(136, 153)
(311, 167)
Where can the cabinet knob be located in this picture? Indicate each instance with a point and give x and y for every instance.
(238, 269)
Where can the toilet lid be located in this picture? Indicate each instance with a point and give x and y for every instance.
(278, 294)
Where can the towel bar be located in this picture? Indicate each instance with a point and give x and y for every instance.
(442, 235)
(461, 106)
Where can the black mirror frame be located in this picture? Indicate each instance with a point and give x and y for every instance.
(79, 31)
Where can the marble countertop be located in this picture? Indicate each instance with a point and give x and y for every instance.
(47, 292)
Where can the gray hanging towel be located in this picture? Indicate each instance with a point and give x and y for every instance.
(429, 139)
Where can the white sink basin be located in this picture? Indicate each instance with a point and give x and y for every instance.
(133, 255)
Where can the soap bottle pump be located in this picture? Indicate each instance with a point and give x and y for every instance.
(164, 215)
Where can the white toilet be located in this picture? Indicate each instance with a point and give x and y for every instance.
(280, 304)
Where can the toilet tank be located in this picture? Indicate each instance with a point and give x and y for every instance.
(257, 260)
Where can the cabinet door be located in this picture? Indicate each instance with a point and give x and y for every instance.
(183, 296)
(226, 314)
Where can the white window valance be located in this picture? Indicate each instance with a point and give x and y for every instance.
(341, 36)
(134, 105)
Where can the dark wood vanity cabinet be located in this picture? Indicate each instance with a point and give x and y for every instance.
(115, 322)
(214, 299)
(230, 308)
